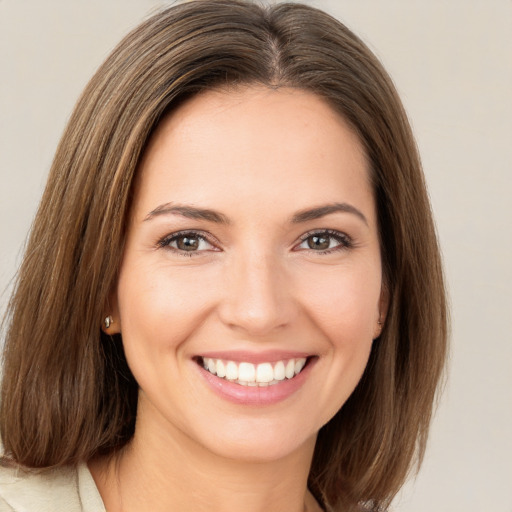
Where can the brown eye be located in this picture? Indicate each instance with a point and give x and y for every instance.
(325, 241)
(188, 243)
(319, 242)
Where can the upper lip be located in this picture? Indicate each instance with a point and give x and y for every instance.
(271, 356)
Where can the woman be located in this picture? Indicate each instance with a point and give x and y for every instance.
(232, 295)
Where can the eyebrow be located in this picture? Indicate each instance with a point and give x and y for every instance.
(190, 212)
(322, 211)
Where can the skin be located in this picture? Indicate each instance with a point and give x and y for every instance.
(257, 156)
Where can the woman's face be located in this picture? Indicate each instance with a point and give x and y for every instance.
(252, 249)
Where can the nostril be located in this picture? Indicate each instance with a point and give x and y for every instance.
(257, 298)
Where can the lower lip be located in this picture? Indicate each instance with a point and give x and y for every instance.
(256, 395)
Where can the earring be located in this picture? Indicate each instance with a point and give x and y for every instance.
(108, 321)
(379, 328)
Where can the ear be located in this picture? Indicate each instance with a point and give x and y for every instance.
(111, 320)
(382, 311)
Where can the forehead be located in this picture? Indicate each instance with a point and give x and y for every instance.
(254, 143)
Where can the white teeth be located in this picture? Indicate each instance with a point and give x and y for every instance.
(231, 371)
(212, 366)
(264, 373)
(289, 371)
(221, 369)
(299, 364)
(248, 374)
(279, 371)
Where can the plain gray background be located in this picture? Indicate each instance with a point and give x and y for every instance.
(452, 64)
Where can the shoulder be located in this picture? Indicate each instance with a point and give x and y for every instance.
(47, 490)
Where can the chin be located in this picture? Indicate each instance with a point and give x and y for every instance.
(262, 449)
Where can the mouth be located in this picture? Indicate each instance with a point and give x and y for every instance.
(249, 374)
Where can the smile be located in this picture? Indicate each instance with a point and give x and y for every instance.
(249, 374)
(255, 379)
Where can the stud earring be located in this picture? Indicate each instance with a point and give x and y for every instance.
(379, 328)
(108, 321)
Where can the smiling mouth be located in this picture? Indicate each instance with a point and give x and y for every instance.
(249, 374)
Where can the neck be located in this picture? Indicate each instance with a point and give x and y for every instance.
(167, 470)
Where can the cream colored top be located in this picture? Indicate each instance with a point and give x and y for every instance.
(57, 490)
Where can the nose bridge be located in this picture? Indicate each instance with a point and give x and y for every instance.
(258, 296)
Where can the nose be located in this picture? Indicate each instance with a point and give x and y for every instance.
(258, 298)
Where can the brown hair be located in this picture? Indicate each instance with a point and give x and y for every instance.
(67, 391)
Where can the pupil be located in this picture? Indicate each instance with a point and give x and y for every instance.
(318, 242)
(186, 243)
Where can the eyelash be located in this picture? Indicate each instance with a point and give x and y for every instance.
(345, 242)
(165, 242)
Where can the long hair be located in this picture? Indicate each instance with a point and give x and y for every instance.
(67, 392)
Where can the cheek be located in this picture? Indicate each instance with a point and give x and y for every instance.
(344, 301)
(159, 306)
(344, 307)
